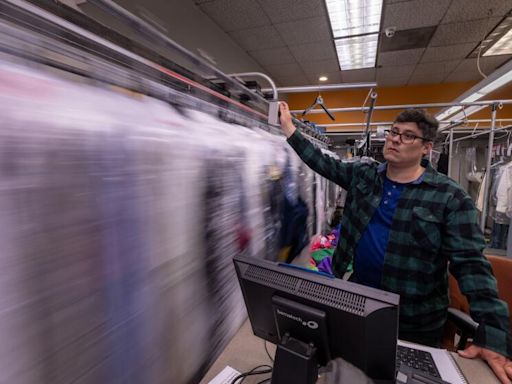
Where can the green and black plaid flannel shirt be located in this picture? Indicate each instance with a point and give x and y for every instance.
(435, 223)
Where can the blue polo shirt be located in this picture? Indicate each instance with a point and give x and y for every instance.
(371, 249)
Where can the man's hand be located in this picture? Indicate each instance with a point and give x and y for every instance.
(286, 119)
(501, 366)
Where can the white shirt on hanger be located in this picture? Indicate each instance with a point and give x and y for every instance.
(504, 200)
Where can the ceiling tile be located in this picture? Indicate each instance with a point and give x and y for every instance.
(449, 52)
(289, 10)
(461, 10)
(273, 56)
(321, 50)
(333, 78)
(456, 76)
(290, 81)
(258, 38)
(318, 68)
(487, 64)
(284, 70)
(305, 31)
(414, 14)
(396, 81)
(358, 75)
(405, 57)
(235, 15)
(422, 78)
(442, 67)
(397, 71)
(458, 33)
(393, 81)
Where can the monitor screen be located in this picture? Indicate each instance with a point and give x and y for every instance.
(340, 318)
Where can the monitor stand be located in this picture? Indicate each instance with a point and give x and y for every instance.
(295, 362)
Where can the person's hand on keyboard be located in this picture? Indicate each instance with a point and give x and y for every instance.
(501, 365)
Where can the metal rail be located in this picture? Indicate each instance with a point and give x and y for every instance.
(488, 167)
(259, 74)
(319, 88)
(406, 106)
(92, 56)
(368, 139)
(391, 122)
(154, 35)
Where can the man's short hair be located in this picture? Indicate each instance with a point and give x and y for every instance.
(426, 123)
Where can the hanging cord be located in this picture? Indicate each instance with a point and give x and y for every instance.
(366, 100)
(478, 62)
(489, 14)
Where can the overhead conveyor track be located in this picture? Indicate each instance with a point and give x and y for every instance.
(52, 34)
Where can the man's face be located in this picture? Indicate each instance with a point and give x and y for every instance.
(399, 150)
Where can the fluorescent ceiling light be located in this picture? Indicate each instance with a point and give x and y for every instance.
(355, 26)
(502, 47)
(499, 82)
(463, 115)
(357, 52)
(450, 111)
(473, 97)
(354, 17)
(495, 80)
(498, 41)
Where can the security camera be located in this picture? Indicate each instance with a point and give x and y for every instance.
(390, 31)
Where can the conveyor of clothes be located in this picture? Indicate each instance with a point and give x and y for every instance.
(120, 218)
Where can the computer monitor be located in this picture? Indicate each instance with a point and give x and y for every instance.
(315, 318)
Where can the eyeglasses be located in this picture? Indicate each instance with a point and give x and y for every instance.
(405, 138)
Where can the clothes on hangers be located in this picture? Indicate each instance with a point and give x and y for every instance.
(121, 217)
(503, 193)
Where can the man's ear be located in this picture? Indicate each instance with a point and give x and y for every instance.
(427, 147)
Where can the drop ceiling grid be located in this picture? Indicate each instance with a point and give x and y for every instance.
(463, 32)
(292, 38)
(447, 52)
(464, 10)
(235, 15)
(258, 38)
(399, 58)
(296, 28)
(415, 14)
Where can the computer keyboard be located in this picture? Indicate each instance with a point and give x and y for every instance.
(419, 360)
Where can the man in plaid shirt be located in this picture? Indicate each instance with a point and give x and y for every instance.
(404, 226)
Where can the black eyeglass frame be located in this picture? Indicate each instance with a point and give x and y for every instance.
(395, 133)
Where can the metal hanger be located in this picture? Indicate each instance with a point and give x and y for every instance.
(318, 101)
